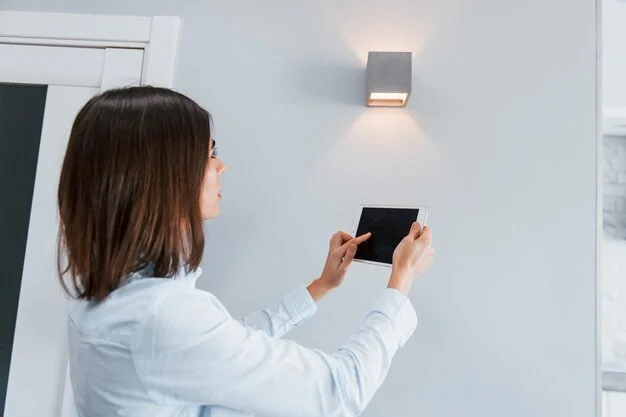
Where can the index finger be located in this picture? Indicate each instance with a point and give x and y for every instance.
(356, 241)
(362, 238)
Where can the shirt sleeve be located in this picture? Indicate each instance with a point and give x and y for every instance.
(184, 360)
(291, 311)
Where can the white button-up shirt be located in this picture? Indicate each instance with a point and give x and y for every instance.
(159, 347)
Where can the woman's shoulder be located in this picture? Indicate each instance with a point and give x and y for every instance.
(181, 311)
(149, 302)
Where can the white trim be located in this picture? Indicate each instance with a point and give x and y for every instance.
(122, 68)
(599, 218)
(160, 56)
(75, 26)
(23, 63)
(158, 36)
(74, 43)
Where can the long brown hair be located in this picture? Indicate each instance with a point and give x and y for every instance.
(129, 192)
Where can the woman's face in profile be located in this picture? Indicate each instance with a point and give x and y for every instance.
(211, 187)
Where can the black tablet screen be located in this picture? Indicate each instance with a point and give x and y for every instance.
(388, 227)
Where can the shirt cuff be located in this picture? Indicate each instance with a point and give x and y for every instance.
(398, 308)
(300, 305)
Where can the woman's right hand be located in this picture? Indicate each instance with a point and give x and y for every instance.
(411, 258)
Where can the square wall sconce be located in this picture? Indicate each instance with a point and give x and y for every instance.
(388, 79)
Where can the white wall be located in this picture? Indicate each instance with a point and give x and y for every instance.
(502, 116)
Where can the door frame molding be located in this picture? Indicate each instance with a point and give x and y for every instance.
(157, 35)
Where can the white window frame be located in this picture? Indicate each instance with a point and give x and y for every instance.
(157, 36)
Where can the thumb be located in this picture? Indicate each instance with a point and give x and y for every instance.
(414, 233)
(335, 240)
(426, 235)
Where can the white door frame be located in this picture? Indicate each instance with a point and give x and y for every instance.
(599, 377)
(158, 36)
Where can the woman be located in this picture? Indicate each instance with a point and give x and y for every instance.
(140, 174)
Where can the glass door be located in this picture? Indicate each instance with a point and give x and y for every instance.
(21, 118)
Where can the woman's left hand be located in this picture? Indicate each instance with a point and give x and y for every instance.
(340, 255)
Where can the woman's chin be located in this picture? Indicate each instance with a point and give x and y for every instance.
(213, 214)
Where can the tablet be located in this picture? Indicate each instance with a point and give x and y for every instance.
(388, 225)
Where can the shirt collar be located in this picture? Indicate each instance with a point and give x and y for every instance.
(184, 275)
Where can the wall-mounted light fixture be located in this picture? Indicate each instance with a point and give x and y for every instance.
(388, 79)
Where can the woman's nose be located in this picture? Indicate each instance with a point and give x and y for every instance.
(222, 167)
